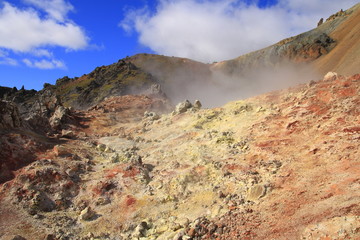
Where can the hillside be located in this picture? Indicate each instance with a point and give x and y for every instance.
(321, 47)
(344, 58)
(283, 165)
(118, 79)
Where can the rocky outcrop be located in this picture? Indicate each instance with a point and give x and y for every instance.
(40, 111)
(25, 124)
(340, 13)
(59, 117)
(321, 21)
(187, 106)
(9, 115)
(183, 107)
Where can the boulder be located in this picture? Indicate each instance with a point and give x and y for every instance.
(58, 117)
(87, 214)
(67, 134)
(151, 115)
(41, 202)
(330, 76)
(101, 147)
(197, 104)
(140, 230)
(256, 192)
(61, 151)
(183, 107)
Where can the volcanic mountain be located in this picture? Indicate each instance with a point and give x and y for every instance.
(108, 156)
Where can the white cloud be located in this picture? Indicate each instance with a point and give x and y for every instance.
(45, 64)
(33, 32)
(6, 60)
(57, 9)
(3, 53)
(42, 53)
(28, 31)
(212, 30)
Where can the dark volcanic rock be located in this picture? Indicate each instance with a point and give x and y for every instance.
(40, 111)
(9, 115)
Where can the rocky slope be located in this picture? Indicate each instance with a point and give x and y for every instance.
(321, 47)
(28, 125)
(283, 165)
(344, 57)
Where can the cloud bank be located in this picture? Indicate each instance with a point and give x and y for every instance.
(214, 30)
(37, 29)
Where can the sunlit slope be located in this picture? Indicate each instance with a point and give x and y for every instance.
(333, 46)
(345, 57)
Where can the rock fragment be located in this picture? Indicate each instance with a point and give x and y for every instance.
(140, 230)
(256, 192)
(41, 202)
(330, 76)
(151, 116)
(87, 214)
(58, 117)
(183, 107)
(67, 134)
(101, 147)
(114, 158)
(61, 151)
(197, 104)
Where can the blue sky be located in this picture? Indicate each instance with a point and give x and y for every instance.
(43, 40)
